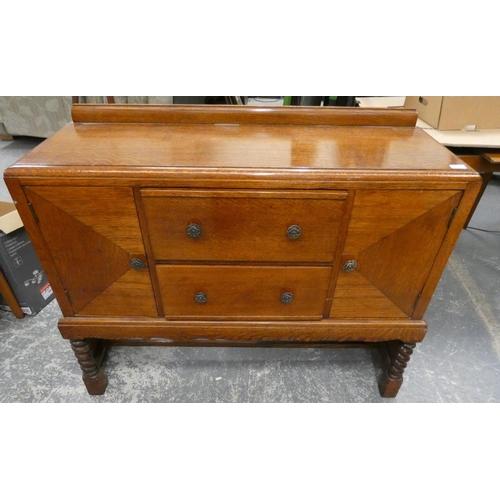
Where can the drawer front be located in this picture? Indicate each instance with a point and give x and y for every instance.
(200, 291)
(238, 226)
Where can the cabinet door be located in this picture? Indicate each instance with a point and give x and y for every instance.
(92, 235)
(394, 237)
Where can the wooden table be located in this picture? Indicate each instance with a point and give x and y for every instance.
(241, 226)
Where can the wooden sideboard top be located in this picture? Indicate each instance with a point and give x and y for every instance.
(224, 143)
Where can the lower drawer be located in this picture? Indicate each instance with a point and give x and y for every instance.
(243, 291)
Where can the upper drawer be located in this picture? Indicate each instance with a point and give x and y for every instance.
(281, 226)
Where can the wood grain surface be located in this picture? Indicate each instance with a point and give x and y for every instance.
(295, 147)
(250, 226)
(243, 291)
(256, 115)
(394, 236)
(91, 235)
(241, 331)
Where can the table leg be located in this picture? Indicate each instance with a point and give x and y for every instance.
(90, 355)
(395, 357)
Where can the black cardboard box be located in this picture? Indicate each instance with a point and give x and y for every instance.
(19, 263)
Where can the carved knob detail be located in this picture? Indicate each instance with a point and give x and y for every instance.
(200, 297)
(294, 231)
(349, 265)
(193, 230)
(137, 263)
(286, 297)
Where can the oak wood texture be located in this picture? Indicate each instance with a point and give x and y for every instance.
(394, 237)
(92, 234)
(337, 260)
(33, 229)
(205, 148)
(258, 115)
(444, 252)
(267, 343)
(149, 249)
(377, 214)
(243, 291)
(123, 183)
(239, 226)
(244, 331)
(355, 297)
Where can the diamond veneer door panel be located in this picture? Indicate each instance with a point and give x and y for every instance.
(92, 253)
(394, 236)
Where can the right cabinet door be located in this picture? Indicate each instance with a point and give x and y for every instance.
(393, 239)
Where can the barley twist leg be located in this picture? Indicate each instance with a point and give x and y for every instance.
(397, 357)
(93, 375)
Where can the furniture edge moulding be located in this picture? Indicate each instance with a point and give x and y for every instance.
(369, 331)
(251, 115)
(236, 178)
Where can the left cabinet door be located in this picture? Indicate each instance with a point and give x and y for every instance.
(94, 239)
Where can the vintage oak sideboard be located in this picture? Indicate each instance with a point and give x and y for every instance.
(242, 226)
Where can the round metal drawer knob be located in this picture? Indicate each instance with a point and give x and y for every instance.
(294, 231)
(286, 297)
(137, 263)
(193, 230)
(350, 265)
(200, 297)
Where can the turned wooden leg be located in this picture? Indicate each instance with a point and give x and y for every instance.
(90, 355)
(395, 357)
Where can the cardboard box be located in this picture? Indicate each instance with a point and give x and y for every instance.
(457, 113)
(19, 263)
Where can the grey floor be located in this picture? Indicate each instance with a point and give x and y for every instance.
(458, 361)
